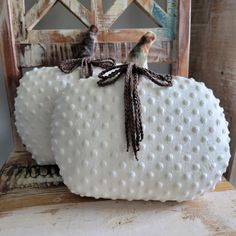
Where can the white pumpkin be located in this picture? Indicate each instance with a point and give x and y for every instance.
(184, 153)
(34, 105)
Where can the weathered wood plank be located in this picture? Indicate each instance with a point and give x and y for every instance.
(213, 54)
(106, 20)
(80, 11)
(172, 10)
(232, 170)
(37, 12)
(75, 36)
(21, 171)
(31, 55)
(53, 36)
(183, 38)
(97, 6)
(28, 197)
(133, 35)
(212, 214)
(155, 11)
(18, 21)
(11, 71)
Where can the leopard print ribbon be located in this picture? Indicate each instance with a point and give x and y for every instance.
(86, 65)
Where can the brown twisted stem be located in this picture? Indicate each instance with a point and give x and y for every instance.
(85, 64)
(132, 104)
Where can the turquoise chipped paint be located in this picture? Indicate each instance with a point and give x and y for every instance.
(166, 20)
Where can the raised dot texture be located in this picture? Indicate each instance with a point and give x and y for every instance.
(178, 128)
(42, 88)
(160, 129)
(160, 110)
(169, 119)
(159, 166)
(187, 157)
(169, 157)
(169, 138)
(180, 157)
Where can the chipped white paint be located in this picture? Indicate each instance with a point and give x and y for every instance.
(37, 12)
(79, 11)
(210, 215)
(106, 20)
(32, 53)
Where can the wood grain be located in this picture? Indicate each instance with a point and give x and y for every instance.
(212, 214)
(20, 198)
(105, 20)
(183, 39)
(76, 36)
(154, 10)
(80, 11)
(37, 12)
(11, 72)
(213, 54)
(31, 55)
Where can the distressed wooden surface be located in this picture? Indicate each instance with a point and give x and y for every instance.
(11, 72)
(155, 11)
(232, 175)
(213, 54)
(183, 42)
(37, 12)
(21, 198)
(64, 213)
(21, 172)
(51, 54)
(212, 214)
(80, 11)
(105, 19)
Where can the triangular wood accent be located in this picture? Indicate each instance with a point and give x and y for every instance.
(42, 7)
(37, 12)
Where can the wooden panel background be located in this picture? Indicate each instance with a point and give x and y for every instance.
(22, 46)
(213, 54)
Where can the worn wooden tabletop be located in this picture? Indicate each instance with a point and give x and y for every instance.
(63, 213)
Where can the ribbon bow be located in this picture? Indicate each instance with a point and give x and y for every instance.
(132, 105)
(86, 64)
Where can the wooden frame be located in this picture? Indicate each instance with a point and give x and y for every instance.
(22, 46)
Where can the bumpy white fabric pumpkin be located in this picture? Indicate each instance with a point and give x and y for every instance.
(184, 152)
(34, 105)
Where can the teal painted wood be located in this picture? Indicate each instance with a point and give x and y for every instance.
(172, 10)
(166, 19)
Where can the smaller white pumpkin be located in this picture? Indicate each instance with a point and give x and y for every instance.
(33, 108)
(36, 95)
(34, 105)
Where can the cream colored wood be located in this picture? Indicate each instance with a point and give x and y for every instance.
(212, 214)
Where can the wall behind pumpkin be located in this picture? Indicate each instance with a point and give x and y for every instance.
(213, 58)
(60, 18)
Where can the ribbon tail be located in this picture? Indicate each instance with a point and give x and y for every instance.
(86, 69)
(127, 102)
(131, 115)
(138, 112)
